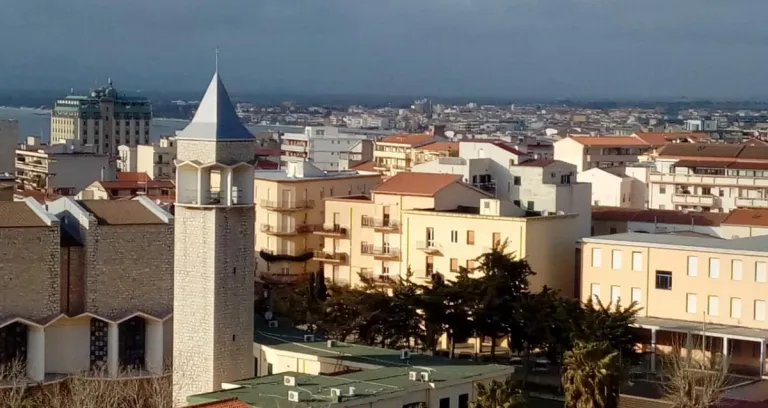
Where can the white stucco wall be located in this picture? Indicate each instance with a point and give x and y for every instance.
(67, 346)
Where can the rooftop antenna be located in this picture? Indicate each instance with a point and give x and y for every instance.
(217, 59)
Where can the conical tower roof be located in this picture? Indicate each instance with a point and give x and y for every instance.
(216, 118)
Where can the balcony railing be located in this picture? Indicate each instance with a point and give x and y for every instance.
(273, 277)
(385, 253)
(327, 257)
(334, 230)
(708, 180)
(285, 231)
(208, 197)
(692, 199)
(292, 205)
(381, 225)
(379, 279)
(430, 247)
(751, 202)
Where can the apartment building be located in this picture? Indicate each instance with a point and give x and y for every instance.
(432, 223)
(289, 207)
(541, 185)
(323, 146)
(156, 159)
(129, 185)
(75, 295)
(686, 287)
(9, 137)
(587, 152)
(298, 368)
(615, 187)
(62, 169)
(394, 154)
(103, 118)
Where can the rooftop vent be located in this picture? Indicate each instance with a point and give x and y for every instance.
(413, 376)
(331, 343)
(289, 381)
(273, 323)
(405, 354)
(425, 376)
(335, 392)
(309, 338)
(293, 396)
(351, 391)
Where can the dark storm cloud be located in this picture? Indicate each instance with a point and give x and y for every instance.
(474, 47)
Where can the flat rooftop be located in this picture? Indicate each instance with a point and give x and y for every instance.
(281, 175)
(756, 245)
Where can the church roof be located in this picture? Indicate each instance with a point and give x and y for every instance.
(215, 118)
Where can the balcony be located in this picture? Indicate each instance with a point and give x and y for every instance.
(287, 206)
(381, 225)
(285, 231)
(287, 255)
(746, 202)
(332, 258)
(381, 253)
(278, 278)
(429, 247)
(692, 199)
(708, 180)
(377, 279)
(334, 230)
(208, 197)
(298, 148)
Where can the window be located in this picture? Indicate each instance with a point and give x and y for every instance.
(613, 230)
(736, 270)
(615, 294)
(616, 259)
(597, 255)
(530, 206)
(736, 308)
(454, 265)
(454, 236)
(693, 266)
(595, 291)
(760, 272)
(637, 295)
(463, 400)
(471, 265)
(637, 261)
(664, 280)
(385, 269)
(690, 303)
(714, 268)
(445, 403)
(713, 306)
(760, 310)
(470, 237)
(517, 180)
(430, 267)
(662, 189)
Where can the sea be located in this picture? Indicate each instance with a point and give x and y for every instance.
(37, 122)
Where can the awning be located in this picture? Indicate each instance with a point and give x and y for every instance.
(710, 329)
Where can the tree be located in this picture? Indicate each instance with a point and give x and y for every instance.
(13, 377)
(692, 383)
(458, 303)
(597, 323)
(592, 376)
(498, 394)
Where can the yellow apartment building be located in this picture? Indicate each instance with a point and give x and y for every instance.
(289, 207)
(398, 153)
(435, 223)
(687, 287)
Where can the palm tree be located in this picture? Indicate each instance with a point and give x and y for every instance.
(498, 394)
(592, 376)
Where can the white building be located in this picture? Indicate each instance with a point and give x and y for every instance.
(214, 241)
(533, 185)
(322, 146)
(9, 136)
(614, 188)
(587, 152)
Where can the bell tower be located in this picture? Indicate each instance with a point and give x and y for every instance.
(214, 255)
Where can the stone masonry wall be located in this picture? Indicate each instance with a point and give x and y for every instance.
(209, 151)
(29, 271)
(129, 267)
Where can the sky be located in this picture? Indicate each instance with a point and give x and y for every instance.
(503, 48)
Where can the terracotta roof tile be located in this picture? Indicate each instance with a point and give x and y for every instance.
(420, 184)
(132, 176)
(500, 144)
(118, 212)
(267, 165)
(120, 184)
(660, 139)
(17, 214)
(745, 216)
(617, 141)
(537, 162)
(364, 166)
(414, 139)
(700, 150)
(600, 213)
(226, 403)
(441, 147)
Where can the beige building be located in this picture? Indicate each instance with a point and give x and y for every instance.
(104, 119)
(156, 159)
(434, 223)
(75, 296)
(588, 152)
(394, 154)
(130, 185)
(62, 169)
(290, 207)
(686, 287)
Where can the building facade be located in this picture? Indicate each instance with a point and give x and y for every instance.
(395, 154)
(75, 297)
(323, 146)
(290, 207)
(9, 137)
(103, 118)
(156, 159)
(587, 152)
(214, 241)
(686, 287)
(62, 169)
